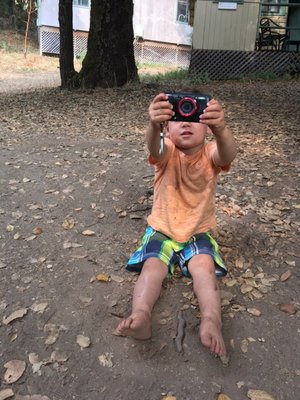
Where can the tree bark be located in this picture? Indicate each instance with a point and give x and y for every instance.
(66, 54)
(110, 59)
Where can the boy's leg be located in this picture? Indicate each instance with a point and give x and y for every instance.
(202, 270)
(146, 292)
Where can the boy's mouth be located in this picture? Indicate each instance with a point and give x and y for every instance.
(186, 133)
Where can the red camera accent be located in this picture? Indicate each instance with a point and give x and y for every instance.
(190, 100)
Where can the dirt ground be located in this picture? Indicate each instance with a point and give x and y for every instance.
(75, 192)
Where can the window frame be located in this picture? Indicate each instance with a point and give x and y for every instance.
(186, 15)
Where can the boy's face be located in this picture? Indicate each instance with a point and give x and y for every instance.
(189, 137)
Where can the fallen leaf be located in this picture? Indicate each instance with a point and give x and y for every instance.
(117, 278)
(83, 341)
(69, 245)
(291, 263)
(244, 345)
(254, 311)
(5, 394)
(288, 308)
(103, 278)
(30, 238)
(225, 360)
(33, 358)
(59, 356)
(169, 398)
(15, 369)
(285, 276)
(2, 265)
(68, 223)
(117, 192)
(10, 228)
(37, 231)
(15, 315)
(39, 307)
(223, 397)
(259, 395)
(88, 232)
(53, 333)
(106, 360)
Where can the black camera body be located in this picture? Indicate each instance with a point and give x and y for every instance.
(187, 106)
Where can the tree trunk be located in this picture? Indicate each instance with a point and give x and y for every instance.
(110, 59)
(66, 54)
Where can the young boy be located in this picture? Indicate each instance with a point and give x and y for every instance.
(182, 215)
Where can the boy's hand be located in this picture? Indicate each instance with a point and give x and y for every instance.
(213, 117)
(160, 109)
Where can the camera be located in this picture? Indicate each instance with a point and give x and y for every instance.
(187, 106)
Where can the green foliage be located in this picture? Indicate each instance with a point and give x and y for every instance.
(81, 56)
(7, 47)
(180, 76)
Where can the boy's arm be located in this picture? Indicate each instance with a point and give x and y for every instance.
(226, 149)
(160, 111)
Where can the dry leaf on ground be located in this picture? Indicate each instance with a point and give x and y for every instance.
(15, 315)
(37, 231)
(285, 276)
(103, 278)
(39, 307)
(244, 345)
(223, 397)
(88, 232)
(68, 223)
(83, 341)
(106, 360)
(259, 395)
(254, 311)
(6, 394)
(288, 308)
(14, 370)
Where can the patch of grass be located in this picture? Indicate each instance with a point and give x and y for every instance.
(7, 47)
(180, 76)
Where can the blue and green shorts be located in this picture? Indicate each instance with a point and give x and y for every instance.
(156, 244)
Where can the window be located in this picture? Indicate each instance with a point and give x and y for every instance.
(183, 11)
(81, 3)
(273, 9)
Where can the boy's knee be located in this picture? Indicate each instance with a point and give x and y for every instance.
(155, 264)
(201, 263)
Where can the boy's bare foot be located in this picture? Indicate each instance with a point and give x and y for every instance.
(211, 336)
(138, 325)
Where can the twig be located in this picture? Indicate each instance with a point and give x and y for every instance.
(29, 11)
(180, 333)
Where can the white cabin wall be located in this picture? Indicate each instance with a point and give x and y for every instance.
(48, 15)
(156, 20)
(152, 20)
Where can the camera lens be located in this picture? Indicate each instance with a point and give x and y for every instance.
(187, 107)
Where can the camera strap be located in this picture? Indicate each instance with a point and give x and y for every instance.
(161, 137)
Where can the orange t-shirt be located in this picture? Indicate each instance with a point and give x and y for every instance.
(184, 192)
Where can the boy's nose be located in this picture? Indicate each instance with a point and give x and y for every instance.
(185, 123)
